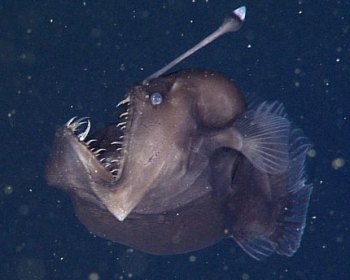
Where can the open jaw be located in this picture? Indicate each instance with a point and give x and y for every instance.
(107, 147)
(93, 167)
(106, 168)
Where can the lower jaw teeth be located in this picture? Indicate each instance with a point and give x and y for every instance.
(75, 123)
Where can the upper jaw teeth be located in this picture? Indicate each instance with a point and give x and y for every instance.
(124, 115)
(121, 124)
(124, 101)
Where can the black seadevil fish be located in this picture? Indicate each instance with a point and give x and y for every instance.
(187, 165)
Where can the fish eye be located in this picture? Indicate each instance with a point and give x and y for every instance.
(156, 98)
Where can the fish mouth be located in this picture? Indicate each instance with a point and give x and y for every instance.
(108, 146)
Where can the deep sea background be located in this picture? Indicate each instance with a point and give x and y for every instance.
(59, 59)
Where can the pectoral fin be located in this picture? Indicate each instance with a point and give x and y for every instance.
(265, 136)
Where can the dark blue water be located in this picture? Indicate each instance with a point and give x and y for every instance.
(59, 59)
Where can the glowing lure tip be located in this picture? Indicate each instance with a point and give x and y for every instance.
(240, 12)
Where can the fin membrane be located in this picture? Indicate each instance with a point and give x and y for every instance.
(265, 137)
(258, 248)
(282, 233)
(292, 219)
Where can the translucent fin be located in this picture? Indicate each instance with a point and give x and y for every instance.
(272, 220)
(299, 145)
(291, 221)
(258, 248)
(265, 133)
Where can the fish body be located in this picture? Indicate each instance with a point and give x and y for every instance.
(188, 163)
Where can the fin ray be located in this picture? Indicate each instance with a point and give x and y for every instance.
(275, 222)
(259, 248)
(265, 133)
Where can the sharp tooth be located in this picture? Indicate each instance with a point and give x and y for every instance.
(100, 150)
(90, 141)
(126, 100)
(69, 123)
(116, 143)
(77, 123)
(114, 170)
(83, 135)
(123, 114)
(119, 149)
(121, 124)
(121, 136)
(82, 120)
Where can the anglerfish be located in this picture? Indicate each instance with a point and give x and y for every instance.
(188, 163)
